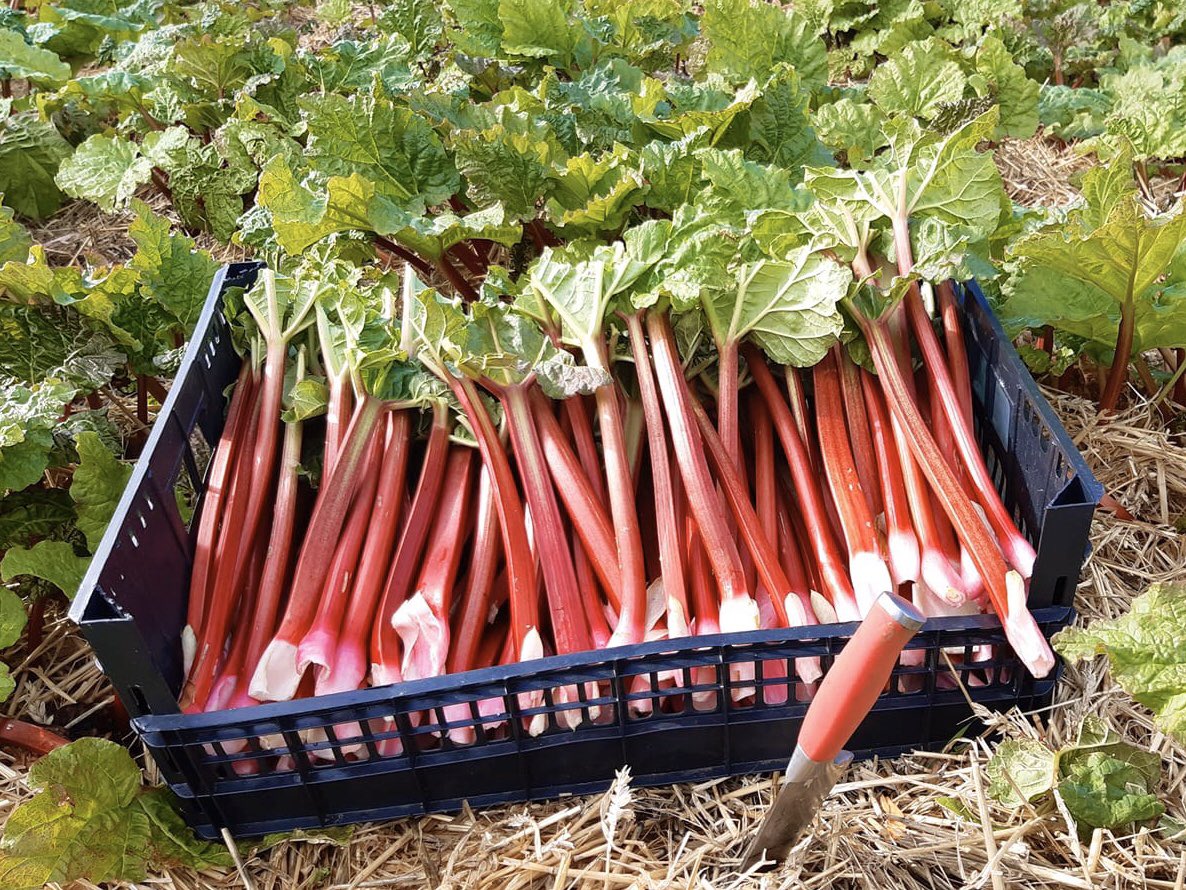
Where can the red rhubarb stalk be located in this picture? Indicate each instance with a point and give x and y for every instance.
(738, 611)
(385, 642)
(472, 617)
(588, 516)
(837, 587)
(1006, 589)
(422, 620)
(1018, 550)
(276, 337)
(859, 434)
(278, 561)
(570, 627)
(231, 442)
(319, 644)
(868, 571)
(901, 540)
(276, 677)
(348, 668)
(667, 522)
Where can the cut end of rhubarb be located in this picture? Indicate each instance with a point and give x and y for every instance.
(276, 678)
(1027, 641)
(317, 648)
(825, 612)
(189, 648)
(739, 614)
(385, 675)
(809, 669)
(533, 646)
(904, 559)
(677, 619)
(870, 579)
(1022, 631)
(347, 673)
(425, 638)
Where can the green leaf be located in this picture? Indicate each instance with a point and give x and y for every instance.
(1126, 260)
(52, 561)
(1007, 82)
(417, 21)
(1071, 113)
(12, 617)
(855, 128)
(172, 271)
(595, 195)
(172, 843)
(538, 29)
(479, 30)
(509, 163)
(430, 237)
(29, 516)
(7, 687)
(14, 238)
(788, 308)
(30, 152)
(779, 128)
(747, 39)
(391, 147)
(1149, 108)
(20, 61)
(1146, 652)
(39, 342)
(1112, 788)
(97, 486)
(28, 415)
(1019, 771)
(919, 81)
(106, 170)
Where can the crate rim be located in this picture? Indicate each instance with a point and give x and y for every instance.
(541, 667)
(89, 587)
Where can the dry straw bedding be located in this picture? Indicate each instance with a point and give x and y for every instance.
(883, 827)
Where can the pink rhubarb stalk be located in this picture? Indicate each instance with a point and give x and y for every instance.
(868, 571)
(422, 621)
(838, 589)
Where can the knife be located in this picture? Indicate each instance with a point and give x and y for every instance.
(845, 697)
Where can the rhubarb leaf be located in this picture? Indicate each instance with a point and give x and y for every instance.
(29, 516)
(30, 152)
(748, 39)
(21, 61)
(1145, 651)
(28, 415)
(788, 308)
(90, 820)
(105, 170)
(918, 81)
(12, 617)
(538, 29)
(780, 131)
(1126, 259)
(7, 687)
(1107, 783)
(431, 236)
(1006, 81)
(172, 272)
(1019, 771)
(391, 147)
(97, 486)
(855, 128)
(52, 561)
(479, 30)
(14, 238)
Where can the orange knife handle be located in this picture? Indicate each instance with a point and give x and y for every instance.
(857, 677)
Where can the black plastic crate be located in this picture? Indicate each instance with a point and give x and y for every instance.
(387, 756)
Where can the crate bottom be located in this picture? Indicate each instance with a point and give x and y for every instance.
(275, 807)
